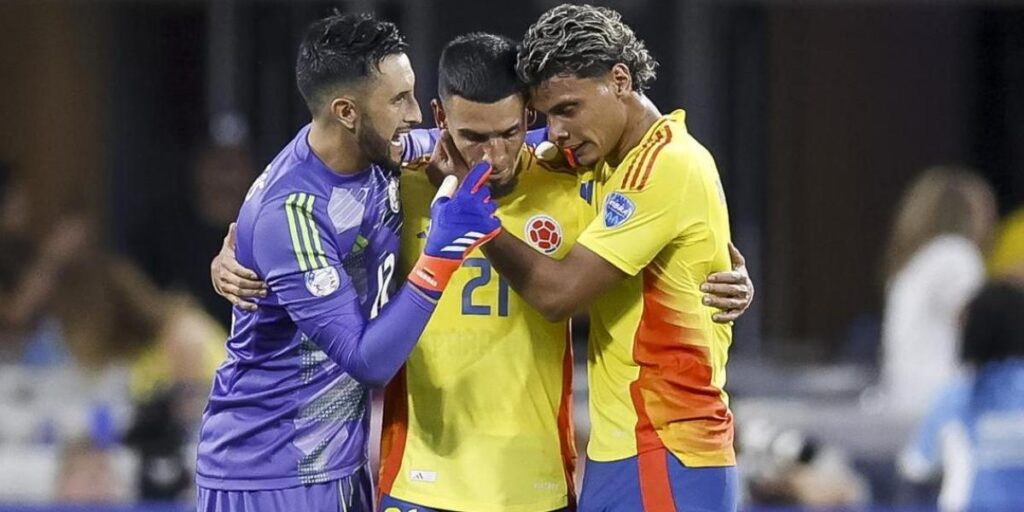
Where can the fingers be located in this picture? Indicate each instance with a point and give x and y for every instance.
(738, 261)
(727, 316)
(731, 277)
(478, 176)
(236, 301)
(725, 290)
(453, 153)
(245, 287)
(725, 303)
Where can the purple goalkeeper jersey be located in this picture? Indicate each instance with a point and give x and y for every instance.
(283, 410)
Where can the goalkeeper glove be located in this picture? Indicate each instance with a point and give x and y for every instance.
(460, 221)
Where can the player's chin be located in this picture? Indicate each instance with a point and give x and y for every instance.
(502, 186)
(395, 149)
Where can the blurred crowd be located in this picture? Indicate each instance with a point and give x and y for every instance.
(107, 358)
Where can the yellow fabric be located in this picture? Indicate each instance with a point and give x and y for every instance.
(153, 370)
(1008, 251)
(656, 359)
(485, 381)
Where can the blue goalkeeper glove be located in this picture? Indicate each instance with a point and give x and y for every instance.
(460, 221)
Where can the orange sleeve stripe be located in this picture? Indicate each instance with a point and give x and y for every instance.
(394, 431)
(646, 147)
(566, 432)
(654, 156)
(638, 164)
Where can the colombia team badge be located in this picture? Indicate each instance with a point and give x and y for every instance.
(544, 233)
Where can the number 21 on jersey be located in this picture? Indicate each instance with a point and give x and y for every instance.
(474, 305)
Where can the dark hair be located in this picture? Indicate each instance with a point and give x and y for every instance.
(994, 329)
(479, 67)
(585, 41)
(341, 49)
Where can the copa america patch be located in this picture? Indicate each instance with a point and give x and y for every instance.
(544, 233)
(322, 281)
(617, 209)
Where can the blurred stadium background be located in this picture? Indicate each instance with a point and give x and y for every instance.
(132, 129)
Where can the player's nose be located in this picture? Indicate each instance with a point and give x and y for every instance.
(557, 131)
(412, 115)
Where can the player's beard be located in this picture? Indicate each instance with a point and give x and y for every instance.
(376, 147)
(504, 189)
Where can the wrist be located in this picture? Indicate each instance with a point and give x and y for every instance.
(432, 274)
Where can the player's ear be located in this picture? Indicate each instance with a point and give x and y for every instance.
(621, 79)
(439, 115)
(531, 117)
(344, 110)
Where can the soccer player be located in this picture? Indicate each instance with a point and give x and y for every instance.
(479, 417)
(662, 431)
(286, 423)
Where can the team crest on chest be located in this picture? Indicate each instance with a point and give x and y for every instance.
(544, 233)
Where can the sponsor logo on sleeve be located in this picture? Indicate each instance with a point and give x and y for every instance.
(322, 281)
(617, 209)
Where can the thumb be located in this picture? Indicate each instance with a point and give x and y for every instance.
(231, 240)
(446, 190)
(737, 259)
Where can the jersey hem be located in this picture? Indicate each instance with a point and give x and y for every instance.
(267, 484)
(720, 458)
(427, 500)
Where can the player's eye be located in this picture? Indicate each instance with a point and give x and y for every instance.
(508, 134)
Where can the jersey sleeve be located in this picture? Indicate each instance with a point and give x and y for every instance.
(303, 271)
(419, 143)
(651, 204)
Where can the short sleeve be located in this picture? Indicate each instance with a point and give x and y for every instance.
(640, 217)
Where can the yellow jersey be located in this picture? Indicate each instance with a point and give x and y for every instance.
(480, 416)
(656, 360)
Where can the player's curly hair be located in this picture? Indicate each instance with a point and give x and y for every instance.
(585, 41)
(341, 49)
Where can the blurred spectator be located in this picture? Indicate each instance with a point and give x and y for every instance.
(28, 275)
(934, 265)
(785, 467)
(113, 317)
(974, 434)
(178, 243)
(87, 474)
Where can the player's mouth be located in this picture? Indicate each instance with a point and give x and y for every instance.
(572, 153)
(395, 146)
(397, 139)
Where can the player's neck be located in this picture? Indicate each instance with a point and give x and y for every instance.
(641, 114)
(337, 148)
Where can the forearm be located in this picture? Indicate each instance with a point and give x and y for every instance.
(544, 283)
(386, 341)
